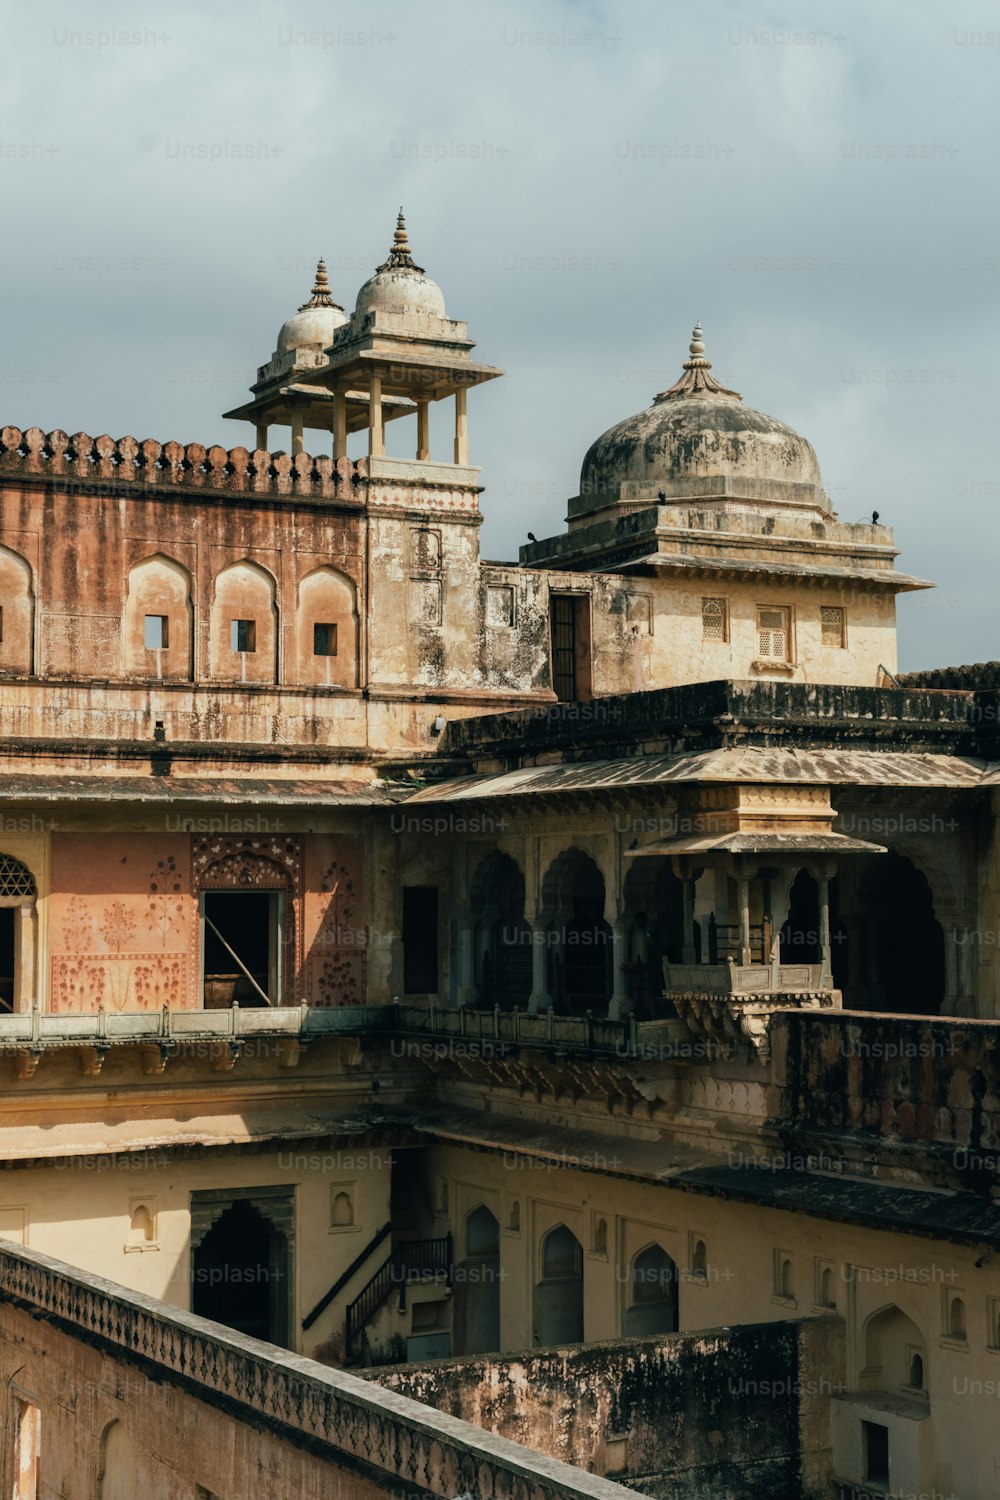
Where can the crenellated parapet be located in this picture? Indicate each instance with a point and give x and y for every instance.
(79, 462)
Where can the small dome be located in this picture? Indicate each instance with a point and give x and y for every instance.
(399, 285)
(697, 430)
(315, 321)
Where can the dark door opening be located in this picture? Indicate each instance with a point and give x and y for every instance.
(240, 1274)
(7, 958)
(569, 627)
(241, 931)
(420, 940)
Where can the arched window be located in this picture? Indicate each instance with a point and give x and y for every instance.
(653, 1292)
(326, 629)
(17, 612)
(827, 1292)
(601, 1237)
(18, 897)
(158, 620)
(514, 1217)
(699, 1261)
(482, 1232)
(559, 1292)
(244, 625)
(561, 1254)
(916, 1371)
(786, 1280)
(956, 1318)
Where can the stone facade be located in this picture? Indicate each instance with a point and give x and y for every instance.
(404, 955)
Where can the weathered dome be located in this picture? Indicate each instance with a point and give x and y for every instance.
(315, 321)
(399, 285)
(697, 430)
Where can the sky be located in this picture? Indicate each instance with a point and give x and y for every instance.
(817, 184)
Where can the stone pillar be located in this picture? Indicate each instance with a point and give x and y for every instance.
(423, 430)
(689, 954)
(376, 430)
(25, 996)
(620, 1003)
(539, 998)
(461, 425)
(262, 436)
(339, 424)
(465, 979)
(825, 946)
(298, 445)
(743, 889)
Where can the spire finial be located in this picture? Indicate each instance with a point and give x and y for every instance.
(696, 380)
(400, 256)
(321, 294)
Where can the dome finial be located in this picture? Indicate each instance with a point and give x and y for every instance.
(400, 256)
(696, 380)
(321, 294)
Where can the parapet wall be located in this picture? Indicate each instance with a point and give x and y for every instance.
(196, 1407)
(741, 1412)
(81, 462)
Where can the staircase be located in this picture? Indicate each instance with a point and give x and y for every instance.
(413, 1259)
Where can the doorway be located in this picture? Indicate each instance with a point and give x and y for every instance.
(242, 948)
(240, 1274)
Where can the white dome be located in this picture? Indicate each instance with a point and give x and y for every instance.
(315, 321)
(311, 325)
(400, 286)
(401, 291)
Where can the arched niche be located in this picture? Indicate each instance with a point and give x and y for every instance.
(243, 630)
(159, 620)
(559, 1290)
(118, 1479)
(652, 1293)
(477, 1285)
(18, 935)
(895, 1353)
(17, 615)
(326, 629)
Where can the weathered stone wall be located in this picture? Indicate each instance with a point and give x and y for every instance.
(736, 1412)
(131, 1397)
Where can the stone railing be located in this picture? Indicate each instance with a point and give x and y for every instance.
(81, 464)
(159, 1027)
(389, 1436)
(592, 1034)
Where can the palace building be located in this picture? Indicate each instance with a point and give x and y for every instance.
(517, 1029)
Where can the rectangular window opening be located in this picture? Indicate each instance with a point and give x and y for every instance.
(243, 635)
(774, 633)
(420, 940)
(242, 945)
(324, 639)
(156, 632)
(876, 1443)
(833, 626)
(569, 627)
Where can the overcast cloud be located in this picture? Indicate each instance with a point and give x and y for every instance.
(817, 184)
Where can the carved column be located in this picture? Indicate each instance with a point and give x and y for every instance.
(743, 900)
(25, 996)
(262, 436)
(620, 1003)
(298, 436)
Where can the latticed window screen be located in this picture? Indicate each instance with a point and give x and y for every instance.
(832, 625)
(714, 620)
(15, 879)
(772, 634)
